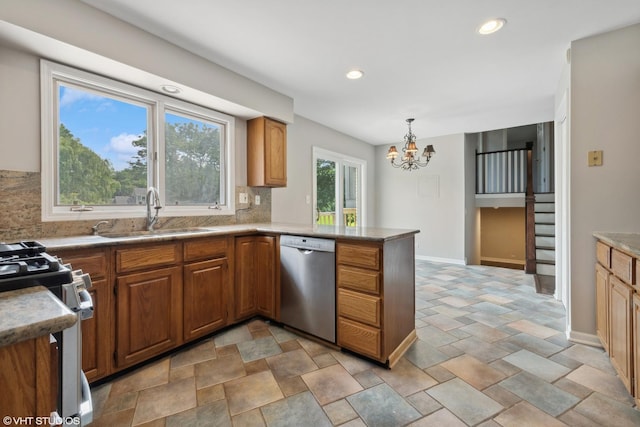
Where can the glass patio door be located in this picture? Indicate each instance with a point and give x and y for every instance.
(338, 189)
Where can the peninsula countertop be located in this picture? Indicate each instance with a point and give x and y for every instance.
(628, 242)
(31, 312)
(324, 231)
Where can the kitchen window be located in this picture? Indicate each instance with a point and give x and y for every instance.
(104, 143)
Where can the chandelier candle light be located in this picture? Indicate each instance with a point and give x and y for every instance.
(410, 160)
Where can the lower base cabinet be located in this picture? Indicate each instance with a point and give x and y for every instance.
(149, 314)
(636, 346)
(255, 277)
(205, 305)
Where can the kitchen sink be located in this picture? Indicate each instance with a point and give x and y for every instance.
(161, 232)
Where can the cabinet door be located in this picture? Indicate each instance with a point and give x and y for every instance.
(275, 153)
(602, 306)
(620, 330)
(245, 289)
(265, 279)
(636, 347)
(149, 314)
(205, 307)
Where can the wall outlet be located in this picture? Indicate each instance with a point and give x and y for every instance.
(595, 158)
(257, 200)
(244, 198)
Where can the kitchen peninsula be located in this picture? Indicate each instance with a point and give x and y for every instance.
(154, 292)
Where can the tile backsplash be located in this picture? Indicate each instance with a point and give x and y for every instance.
(20, 207)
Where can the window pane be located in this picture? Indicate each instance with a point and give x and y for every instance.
(193, 167)
(326, 192)
(350, 202)
(102, 151)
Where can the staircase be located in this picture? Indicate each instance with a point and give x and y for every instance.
(545, 234)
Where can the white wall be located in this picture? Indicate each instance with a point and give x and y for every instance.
(289, 204)
(431, 199)
(605, 115)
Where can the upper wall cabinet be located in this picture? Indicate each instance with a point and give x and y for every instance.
(266, 153)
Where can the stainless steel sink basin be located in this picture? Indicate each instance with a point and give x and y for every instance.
(161, 232)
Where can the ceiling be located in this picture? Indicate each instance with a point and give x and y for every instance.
(421, 58)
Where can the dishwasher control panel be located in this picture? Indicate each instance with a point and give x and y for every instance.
(310, 243)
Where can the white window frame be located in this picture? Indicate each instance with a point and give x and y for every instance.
(341, 160)
(51, 73)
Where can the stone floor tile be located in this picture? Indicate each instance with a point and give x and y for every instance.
(532, 328)
(541, 394)
(219, 370)
(480, 349)
(210, 394)
(146, 377)
(340, 411)
(473, 371)
(380, 406)
(467, 403)
(533, 344)
(368, 378)
(424, 403)
(205, 350)
(299, 410)
(215, 414)
(121, 402)
(292, 385)
(434, 336)
(258, 349)
(250, 392)
(233, 336)
(355, 423)
(331, 383)
(122, 418)
(573, 418)
(164, 400)
(439, 373)
(313, 348)
(424, 355)
(484, 332)
(182, 372)
(537, 365)
(282, 335)
(324, 360)
(576, 389)
(608, 412)
(594, 357)
(455, 301)
(601, 382)
(442, 417)
(491, 308)
(524, 413)
(449, 311)
(501, 395)
(251, 418)
(443, 322)
(99, 396)
(256, 366)
(351, 363)
(291, 364)
(290, 345)
(406, 378)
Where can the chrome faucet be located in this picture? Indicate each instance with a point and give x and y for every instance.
(152, 193)
(97, 226)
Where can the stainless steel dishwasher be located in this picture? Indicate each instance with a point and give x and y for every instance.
(308, 285)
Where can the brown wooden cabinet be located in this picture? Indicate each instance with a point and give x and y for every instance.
(205, 287)
(266, 153)
(617, 312)
(149, 303)
(29, 378)
(255, 276)
(602, 305)
(375, 297)
(96, 331)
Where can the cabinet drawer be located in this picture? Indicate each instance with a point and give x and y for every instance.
(360, 307)
(147, 256)
(92, 262)
(360, 338)
(603, 254)
(359, 255)
(205, 248)
(359, 279)
(622, 266)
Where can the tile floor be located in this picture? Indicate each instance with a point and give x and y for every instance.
(491, 352)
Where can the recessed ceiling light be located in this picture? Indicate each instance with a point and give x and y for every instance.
(355, 74)
(170, 89)
(491, 26)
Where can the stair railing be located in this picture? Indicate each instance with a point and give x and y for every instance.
(530, 202)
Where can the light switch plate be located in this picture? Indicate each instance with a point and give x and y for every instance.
(244, 198)
(257, 199)
(595, 158)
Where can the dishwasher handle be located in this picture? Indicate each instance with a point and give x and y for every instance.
(312, 244)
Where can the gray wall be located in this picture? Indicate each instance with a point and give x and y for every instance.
(431, 199)
(289, 204)
(604, 115)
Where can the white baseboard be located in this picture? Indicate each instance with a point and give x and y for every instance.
(582, 338)
(442, 260)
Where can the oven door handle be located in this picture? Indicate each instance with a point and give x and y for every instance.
(86, 406)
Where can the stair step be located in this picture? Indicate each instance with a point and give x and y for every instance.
(545, 229)
(545, 218)
(549, 241)
(546, 269)
(545, 197)
(545, 255)
(544, 207)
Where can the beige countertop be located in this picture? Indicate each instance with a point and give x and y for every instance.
(325, 231)
(628, 242)
(31, 312)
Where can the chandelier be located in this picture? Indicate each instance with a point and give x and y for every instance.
(410, 160)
